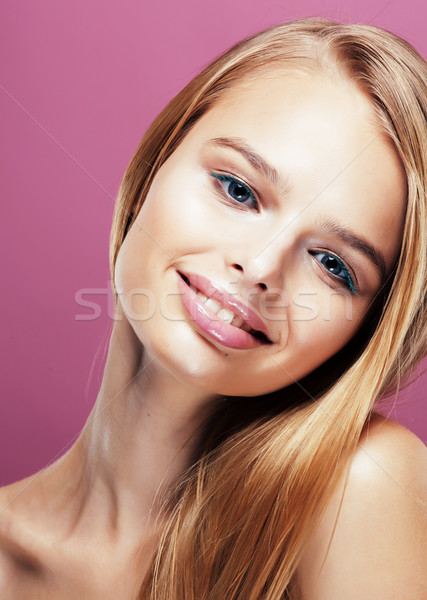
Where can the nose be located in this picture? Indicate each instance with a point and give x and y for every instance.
(260, 266)
(259, 284)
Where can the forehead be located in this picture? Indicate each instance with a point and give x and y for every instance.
(320, 133)
(275, 106)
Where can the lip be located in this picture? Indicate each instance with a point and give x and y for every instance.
(227, 335)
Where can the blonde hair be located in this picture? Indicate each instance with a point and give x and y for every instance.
(238, 521)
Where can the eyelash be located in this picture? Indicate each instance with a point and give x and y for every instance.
(346, 279)
(231, 179)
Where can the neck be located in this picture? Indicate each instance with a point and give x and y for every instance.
(140, 437)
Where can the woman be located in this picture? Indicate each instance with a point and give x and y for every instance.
(268, 253)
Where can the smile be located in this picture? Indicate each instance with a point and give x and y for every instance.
(221, 315)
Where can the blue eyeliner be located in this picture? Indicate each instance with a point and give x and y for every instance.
(347, 276)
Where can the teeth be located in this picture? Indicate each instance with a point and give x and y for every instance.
(222, 313)
(213, 305)
(237, 321)
(225, 315)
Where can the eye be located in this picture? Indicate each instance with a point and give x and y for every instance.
(236, 189)
(336, 267)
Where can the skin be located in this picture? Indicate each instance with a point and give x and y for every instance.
(87, 525)
(310, 315)
(370, 542)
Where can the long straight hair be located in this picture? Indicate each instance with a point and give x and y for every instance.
(239, 519)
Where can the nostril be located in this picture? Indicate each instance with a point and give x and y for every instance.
(262, 285)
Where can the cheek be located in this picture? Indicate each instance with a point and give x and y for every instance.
(324, 325)
(177, 213)
(131, 276)
(312, 333)
(176, 220)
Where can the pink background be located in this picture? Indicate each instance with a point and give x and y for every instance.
(79, 83)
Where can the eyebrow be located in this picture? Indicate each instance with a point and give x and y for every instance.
(277, 180)
(346, 235)
(259, 163)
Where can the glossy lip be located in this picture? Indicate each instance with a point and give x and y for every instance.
(209, 324)
(213, 290)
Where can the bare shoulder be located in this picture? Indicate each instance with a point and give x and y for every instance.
(398, 455)
(371, 541)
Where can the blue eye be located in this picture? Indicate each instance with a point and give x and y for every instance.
(334, 265)
(237, 190)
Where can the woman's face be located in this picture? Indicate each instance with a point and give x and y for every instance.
(286, 204)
